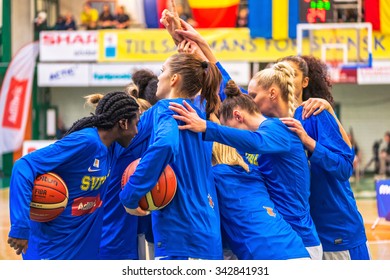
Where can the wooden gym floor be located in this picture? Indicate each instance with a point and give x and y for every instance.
(379, 238)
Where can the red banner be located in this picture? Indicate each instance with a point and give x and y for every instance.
(15, 98)
(13, 111)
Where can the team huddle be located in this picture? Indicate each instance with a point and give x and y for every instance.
(262, 174)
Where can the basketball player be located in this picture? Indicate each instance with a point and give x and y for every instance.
(123, 235)
(188, 227)
(251, 225)
(332, 204)
(83, 159)
(269, 144)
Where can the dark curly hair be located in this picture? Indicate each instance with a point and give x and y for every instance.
(319, 80)
(146, 81)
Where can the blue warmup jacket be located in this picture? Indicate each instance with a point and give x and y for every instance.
(280, 157)
(84, 163)
(120, 229)
(333, 207)
(252, 226)
(189, 226)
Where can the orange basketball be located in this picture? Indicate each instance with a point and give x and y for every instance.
(49, 197)
(161, 194)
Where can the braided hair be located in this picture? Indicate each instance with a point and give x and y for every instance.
(110, 108)
(282, 75)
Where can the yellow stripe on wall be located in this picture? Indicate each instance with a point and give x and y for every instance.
(210, 4)
(279, 19)
(384, 14)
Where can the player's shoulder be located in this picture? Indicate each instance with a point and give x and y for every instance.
(87, 137)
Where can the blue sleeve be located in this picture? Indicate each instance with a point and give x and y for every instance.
(331, 152)
(225, 78)
(27, 168)
(155, 159)
(271, 137)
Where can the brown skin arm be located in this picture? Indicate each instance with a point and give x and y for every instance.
(314, 106)
(20, 245)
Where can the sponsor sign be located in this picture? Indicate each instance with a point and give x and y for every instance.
(343, 75)
(68, 46)
(383, 198)
(71, 75)
(373, 76)
(110, 74)
(229, 44)
(14, 103)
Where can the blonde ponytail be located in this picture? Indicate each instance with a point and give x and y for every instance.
(223, 154)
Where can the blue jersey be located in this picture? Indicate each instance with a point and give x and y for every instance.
(333, 206)
(83, 162)
(189, 225)
(120, 230)
(280, 157)
(252, 226)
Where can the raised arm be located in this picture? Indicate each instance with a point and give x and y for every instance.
(171, 21)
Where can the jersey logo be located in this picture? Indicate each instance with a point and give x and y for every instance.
(85, 205)
(90, 169)
(270, 211)
(211, 202)
(96, 164)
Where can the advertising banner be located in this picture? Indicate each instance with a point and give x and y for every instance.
(65, 74)
(383, 198)
(228, 44)
(15, 98)
(110, 74)
(373, 76)
(68, 46)
(114, 74)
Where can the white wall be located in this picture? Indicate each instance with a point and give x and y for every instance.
(70, 102)
(365, 109)
(21, 23)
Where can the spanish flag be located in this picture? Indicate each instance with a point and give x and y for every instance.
(378, 13)
(273, 19)
(214, 13)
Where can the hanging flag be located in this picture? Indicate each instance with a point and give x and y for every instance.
(15, 98)
(136, 9)
(378, 13)
(216, 13)
(152, 12)
(273, 19)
